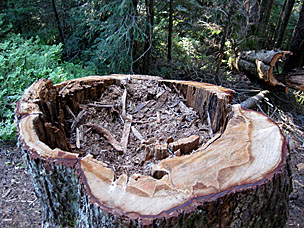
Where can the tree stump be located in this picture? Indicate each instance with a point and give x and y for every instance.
(239, 178)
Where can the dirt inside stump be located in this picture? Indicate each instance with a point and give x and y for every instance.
(135, 125)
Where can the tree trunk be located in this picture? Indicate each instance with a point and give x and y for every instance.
(240, 178)
(293, 79)
(284, 24)
(278, 25)
(265, 12)
(170, 30)
(297, 45)
(223, 40)
(149, 34)
(58, 22)
(261, 64)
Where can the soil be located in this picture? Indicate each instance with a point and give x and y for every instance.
(153, 116)
(19, 206)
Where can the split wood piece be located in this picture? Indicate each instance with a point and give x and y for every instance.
(252, 102)
(107, 134)
(158, 117)
(245, 170)
(77, 138)
(123, 102)
(185, 145)
(79, 119)
(261, 64)
(181, 147)
(126, 133)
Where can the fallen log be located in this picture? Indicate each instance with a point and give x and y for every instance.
(293, 79)
(262, 65)
(241, 179)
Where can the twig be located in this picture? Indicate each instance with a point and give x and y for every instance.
(260, 108)
(80, 117)
(102, 105)
(273, 112)
(70, 111)
(249, 90)
(107, 134)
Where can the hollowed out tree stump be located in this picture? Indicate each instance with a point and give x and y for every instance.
(240, 178)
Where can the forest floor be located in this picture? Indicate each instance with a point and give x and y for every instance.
(19, 206)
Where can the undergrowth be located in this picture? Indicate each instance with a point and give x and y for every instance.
(23, 61)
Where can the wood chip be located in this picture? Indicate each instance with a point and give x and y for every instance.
(209, 124)
(300, 166)
(107, 134)
(77, 138)
(158, 117)
(137, 134)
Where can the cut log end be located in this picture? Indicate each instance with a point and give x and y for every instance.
(239, 179)
(264, 65)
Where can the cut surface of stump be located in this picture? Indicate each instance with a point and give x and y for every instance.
(140, 151)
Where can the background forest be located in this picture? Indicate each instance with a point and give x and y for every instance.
(182, 39)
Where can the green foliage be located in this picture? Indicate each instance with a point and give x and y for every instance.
(21, 63)
(105, 35)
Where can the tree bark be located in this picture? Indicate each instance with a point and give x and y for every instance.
(170, 30)
(261, 64)
(238, 179)
(297, 45)
(58, 22)
(284, 24)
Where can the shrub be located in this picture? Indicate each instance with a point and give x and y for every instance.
(21, 63)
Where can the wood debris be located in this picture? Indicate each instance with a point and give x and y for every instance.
(125, 134)
(79, 119)
(107, 134)
(142, 123)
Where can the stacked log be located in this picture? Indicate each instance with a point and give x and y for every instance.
(263, 64)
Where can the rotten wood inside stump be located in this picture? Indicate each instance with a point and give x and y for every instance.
(136, 124)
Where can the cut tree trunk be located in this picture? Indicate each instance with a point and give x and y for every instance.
(294, 79)
(263, 64)
(239, 178)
